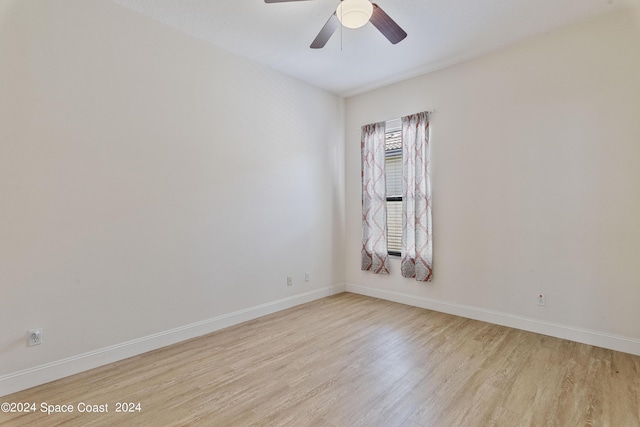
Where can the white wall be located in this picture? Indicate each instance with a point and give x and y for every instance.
(536, 184)
(149, 181)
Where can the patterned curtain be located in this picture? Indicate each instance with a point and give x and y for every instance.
(417, 243)
(374, 203)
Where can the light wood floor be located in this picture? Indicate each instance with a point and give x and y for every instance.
(350, 360)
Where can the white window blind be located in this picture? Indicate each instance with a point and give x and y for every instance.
(393, 172)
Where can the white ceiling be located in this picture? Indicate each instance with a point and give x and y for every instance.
(441, 33)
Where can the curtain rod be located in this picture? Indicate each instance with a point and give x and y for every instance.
(400, 118)
(425, 111)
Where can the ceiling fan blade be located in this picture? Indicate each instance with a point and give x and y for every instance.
(326, 32)
(386, 25)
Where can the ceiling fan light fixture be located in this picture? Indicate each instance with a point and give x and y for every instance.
(354, 13)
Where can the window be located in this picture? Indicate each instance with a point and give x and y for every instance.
(393, 171)
(396, 196)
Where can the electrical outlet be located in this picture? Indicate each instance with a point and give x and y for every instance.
(289, 280)
(542, 300)
(34, 337)
(306, 277)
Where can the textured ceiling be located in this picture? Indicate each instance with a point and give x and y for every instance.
(441, 33)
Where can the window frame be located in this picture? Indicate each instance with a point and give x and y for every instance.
(392, 127)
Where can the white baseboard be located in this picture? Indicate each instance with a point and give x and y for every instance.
(52, 371)
(585, 336)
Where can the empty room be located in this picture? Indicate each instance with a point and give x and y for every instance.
(320, 213)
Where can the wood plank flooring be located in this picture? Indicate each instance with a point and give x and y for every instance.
(350, 360)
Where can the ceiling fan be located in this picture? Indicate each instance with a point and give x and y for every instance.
(355, 14)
